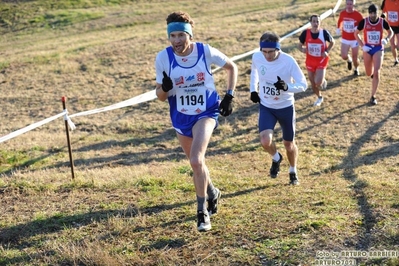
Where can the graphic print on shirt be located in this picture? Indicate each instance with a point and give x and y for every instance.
(191, 91)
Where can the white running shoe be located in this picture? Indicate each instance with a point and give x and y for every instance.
(203, 221)
(318, 101)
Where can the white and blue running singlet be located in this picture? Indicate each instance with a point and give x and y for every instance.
(193, 95)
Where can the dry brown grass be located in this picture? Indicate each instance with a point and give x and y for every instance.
(132, 202)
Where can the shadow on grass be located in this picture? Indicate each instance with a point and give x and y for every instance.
(16, 236)
(353, 161)
(324, 121)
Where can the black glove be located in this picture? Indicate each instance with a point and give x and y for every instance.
(280, 84)
(255, 97)
(226, 106)
(167, 83)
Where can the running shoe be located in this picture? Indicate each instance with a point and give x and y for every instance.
(275, 169)
(349, 65)
(203, 221)
(356, 72)
(373, 100)
(294, 179)
(396, 62)
(318, 101)
(213, 204)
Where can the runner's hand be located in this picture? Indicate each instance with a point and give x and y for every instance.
(226, 105)
(366, 48)
(167, 83)
(255, 97)
(384, 41)
(280, 84)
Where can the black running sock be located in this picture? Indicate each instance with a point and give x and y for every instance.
(201, 204)
(211, 191)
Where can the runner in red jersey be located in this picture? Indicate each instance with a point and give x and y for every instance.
(313, 42)
(373, 46)
(348, 20)
(390, 11)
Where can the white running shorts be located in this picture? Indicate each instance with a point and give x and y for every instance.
(352, 44)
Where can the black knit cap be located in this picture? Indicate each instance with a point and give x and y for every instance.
(373, 8)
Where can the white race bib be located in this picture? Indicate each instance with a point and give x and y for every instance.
(349, 26)
(268, 90)
(392, 16)
(314, 49)
(191, 101)
(373, 37)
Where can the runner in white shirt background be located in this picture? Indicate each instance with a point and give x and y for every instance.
(275, 77)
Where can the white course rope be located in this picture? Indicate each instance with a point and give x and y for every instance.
(148, 96)
(132, 101)
(31, 127)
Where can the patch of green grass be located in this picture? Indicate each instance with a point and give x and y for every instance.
(49, 14)
(182, 185)
(78, 184)
(64, 17)
(73, 4)
(185, 169)
(4, 65)
(12, 256)
(147, 184)
(33, 158)
(110, 206)
(12, 157)
(316, 224)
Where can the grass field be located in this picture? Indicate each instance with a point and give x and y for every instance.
(132, 201)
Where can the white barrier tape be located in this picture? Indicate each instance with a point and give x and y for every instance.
(30, 127)
(71, 124)
(69, 121)
(132, 101)
(145, 97)
(337, 5)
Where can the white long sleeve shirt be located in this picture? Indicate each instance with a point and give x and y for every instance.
(264, 75)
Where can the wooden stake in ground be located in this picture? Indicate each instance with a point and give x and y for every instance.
(63, 99)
